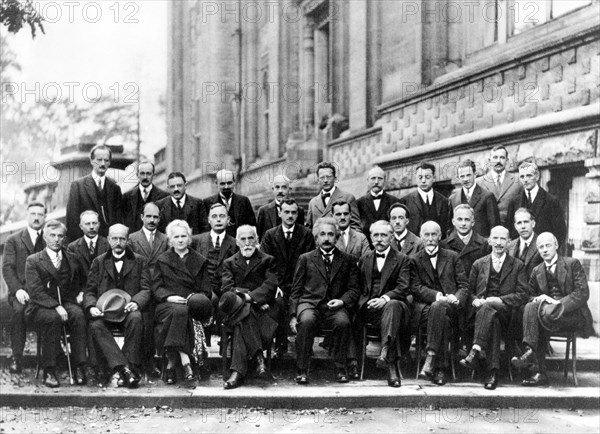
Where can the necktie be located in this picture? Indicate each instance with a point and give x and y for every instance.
(99, 184)
(529, 199)
(523, 251)
(151, 238)
(37, 238)
(399, 244)
(380, 255)
(498, 185)
(497, 265)
(327, 261)
(432, 255)
(288, 235)
(468, 196)
(56, 260)
(92, 248)
(345, 238)
(145, 194)
(325, 197)
(117, 260)
(178, 204)
(549, 269)
(218, 243)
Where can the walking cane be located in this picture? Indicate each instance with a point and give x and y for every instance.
(66, 341)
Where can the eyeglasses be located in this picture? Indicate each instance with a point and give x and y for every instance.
(326, 178)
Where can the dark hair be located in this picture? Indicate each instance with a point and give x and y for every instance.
(176, 175)
(100, 147)
(498, 148)
(527, 210)
(36, 203)
(467, 163)
(325, 165)
(399, 205)
(426, 166)
(216, 205)
(290, 201)
(146, 162)
(340, 203)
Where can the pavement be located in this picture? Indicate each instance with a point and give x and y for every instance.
(323, 392)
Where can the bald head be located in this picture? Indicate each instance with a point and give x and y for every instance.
(118, 229)
(117, 238)
(547, 245)
(281, 188)
(225, 181)
(499, 239)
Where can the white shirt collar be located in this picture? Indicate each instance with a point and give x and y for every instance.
(534, 192)
(552, 261)
(402, 235)
(147, 232)
(528, 240)
(465, 238)
(148, 189)
(424, 195)
(52, 253)
(378, 196)
(385, 252)
(214, 236)
(181, 201)
(89, 240)
(330, 191)
(500, 176)
(434, 251)
(95, 177)
(286, 230)
(33, 234)
(499, 260)
(469, 191)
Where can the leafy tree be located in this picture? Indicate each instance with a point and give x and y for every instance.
(14, 14)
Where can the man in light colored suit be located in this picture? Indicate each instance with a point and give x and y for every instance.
(350, 241)
(322, 204)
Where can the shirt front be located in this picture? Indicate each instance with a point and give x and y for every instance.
(215, 236)
(498, 262)
(465, 238)
(148, 233)
(469, 192)
(33, 235)
(427, 197)
(148, 189)
(97, 178)
(181, 201)
(533, 192)
(119, 264)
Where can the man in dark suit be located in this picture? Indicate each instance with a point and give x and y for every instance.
(499, 285)
(385, 282)
(268, 215)
(135, 199)
(426, 204)
(350, 241)
(483, 203)
(325, 290)
(252, 274)
(53, 304)
(16, 250)
(119, 269)
(558, 302)
(286, 243)
(503, 185)
(441, 289)
(404, 240)
(546, 208)
(524, 247)
(181, 206)
(375, 205)
(96, 192)
(149, 243)
(322, 204)
(239, 207)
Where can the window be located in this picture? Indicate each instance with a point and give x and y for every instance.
(526, 14)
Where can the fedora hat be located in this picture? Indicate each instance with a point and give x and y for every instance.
(199, 306)
(234, 307)
(112, 304)
(549, 314)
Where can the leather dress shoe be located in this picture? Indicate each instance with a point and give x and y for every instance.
(188, 372)
(128, 377)
(440, 377)
(302, 377)
(170, 376)
(50, 378)
(427, 369)
(261, 367)
(103, 377)
(469, 361)
(152, 370)
(382, 359)
(341, 376)
(15, 365)
(539, 379)
(79, 376)
(353, 373)
(491, 382)
(527, 359)
(393, 377)
(235, 380)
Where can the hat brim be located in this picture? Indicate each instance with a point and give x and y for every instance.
(547, 315)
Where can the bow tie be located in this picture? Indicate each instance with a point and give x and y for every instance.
(325, 195)
(117, 259)
(378, 197)
(432, 255)
(380, 255)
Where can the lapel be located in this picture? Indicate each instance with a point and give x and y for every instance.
(486, 270)
(469, 247)
(561, 273)
(442, 260)
(247, 268)
(272, 214)
(505, 184)
(225, 246)
(90, 188)
(388, 266)
(144, 244)
(187, 206)
(108, 266)
(538, 202)
(409, 242)
(541, 277)
(84, 251)
(426, 263)
(47, 264)
(371, 203)
(352, 239)
(128, 263)
(318, 262)
(418, 202)
(506, 268)
(438, 202)
(531, 250)
(333, 199)
(27, 241)
(369, 271)
(336, 265)
(281, 241)
(175, 262)
(476, 196)
(136, 196)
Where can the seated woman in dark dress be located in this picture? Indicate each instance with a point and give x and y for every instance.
(179, 273)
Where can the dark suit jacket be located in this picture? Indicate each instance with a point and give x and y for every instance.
(83, 196)
(133, 204)
(311, 286)
(573, 284)
(202, 244)
(483, 203)
(258, 278)
(135, 279)
(395, 277)
(509, 189)
(415, 206)
(358, 245)
(412, 244)
(286, 253)
(549, 215)
(81, 254)
(240, 211)
(368, 214)
(16, 250)
(316, 209)
(477, 248)
(193, 212)
(268, 218)
(173, 277)
(451, 274)
(139, 244)
(513, 281)
(532, 257)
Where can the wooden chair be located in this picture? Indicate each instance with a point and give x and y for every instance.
(419, 349)
(570, 338)
(371, 332)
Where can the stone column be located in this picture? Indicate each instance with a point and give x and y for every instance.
(308, 82)
(591, 242)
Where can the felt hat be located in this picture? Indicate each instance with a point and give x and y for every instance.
(199, 307)
(234, 307)
(548, 314)
(112, 304)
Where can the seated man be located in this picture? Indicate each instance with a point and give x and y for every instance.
(385, 280)
(53, 304)
(119, 268)
(441, 289)
(252, 274)
(325, 290)
(498, 283)
(559, 293)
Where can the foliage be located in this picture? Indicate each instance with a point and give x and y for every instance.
(14, 14)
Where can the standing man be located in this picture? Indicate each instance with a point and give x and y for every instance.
(53, 304)
(95, 192)
(322, 204)
(499, 285)
(483, 203)
(238, 207)
(325, 290)
(350, 241)
(441, 289)
(141, 194)
(286, 243)
(558, 302)
(504, 186)
(119, 269)
(547, 209)
(385, 279)
(403, 240)
(425, 204)
(268, 215)
(181, 206)
(375, 205)
(149, 243)
(18, 247)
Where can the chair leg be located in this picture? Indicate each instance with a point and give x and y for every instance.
(574, 360)
(269, 356)
(224, 345)
(418, 351)
(398, 360)
(364, 353)
(567, 351)
(452, 361)
(38, 355)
